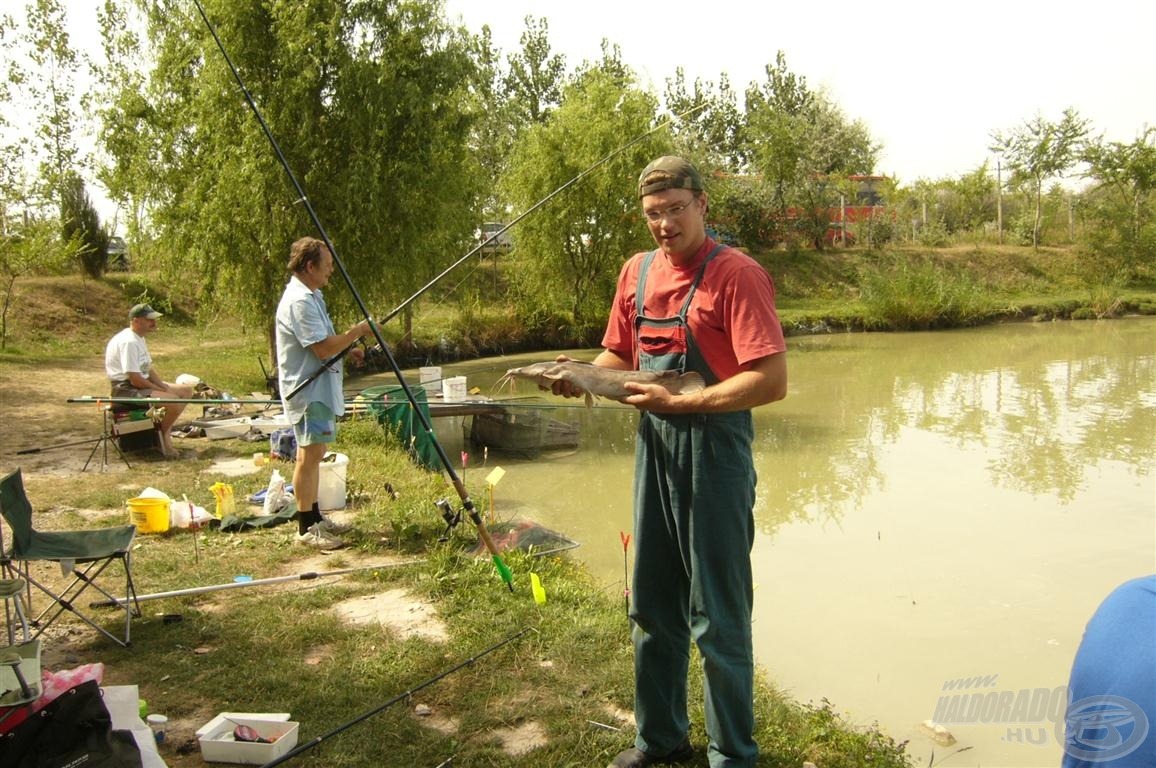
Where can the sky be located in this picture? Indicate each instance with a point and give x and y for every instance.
(931, 81)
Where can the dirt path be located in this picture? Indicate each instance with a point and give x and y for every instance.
(35, 416)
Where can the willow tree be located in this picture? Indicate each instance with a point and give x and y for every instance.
(366, 102)
(569, 252)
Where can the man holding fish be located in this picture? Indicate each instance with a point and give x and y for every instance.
(692, 306)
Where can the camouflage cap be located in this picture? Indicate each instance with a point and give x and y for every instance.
(668, 172)
(143, 310)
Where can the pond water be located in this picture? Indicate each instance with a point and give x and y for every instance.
(938, 516)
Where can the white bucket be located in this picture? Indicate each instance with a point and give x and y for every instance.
(454, 389)
(431, 378)
(331, 486)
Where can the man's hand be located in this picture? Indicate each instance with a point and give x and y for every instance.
(565, 388)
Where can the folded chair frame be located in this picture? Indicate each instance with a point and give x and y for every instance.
(83, 557)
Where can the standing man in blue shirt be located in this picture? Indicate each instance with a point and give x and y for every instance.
(305, 339)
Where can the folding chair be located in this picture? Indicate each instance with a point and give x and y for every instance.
(82, 556)
(19, 663)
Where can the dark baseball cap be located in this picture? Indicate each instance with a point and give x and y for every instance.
(668, 172)
(143, 310)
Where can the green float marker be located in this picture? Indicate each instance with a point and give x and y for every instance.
(504, 572)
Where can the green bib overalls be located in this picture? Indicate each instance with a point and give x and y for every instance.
(694, 494)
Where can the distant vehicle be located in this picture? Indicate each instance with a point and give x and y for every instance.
(502, 243)
(117, 252)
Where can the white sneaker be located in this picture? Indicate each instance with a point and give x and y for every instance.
(317, 538)
(333, 527)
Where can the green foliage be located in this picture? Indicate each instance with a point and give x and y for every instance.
(1120, 210)
(80, 224)
(387, 78)
(1039, 150)
(933, 233)
(568, 253)
(535, 78)
(920, 296)
(34, 248)
(51, 90)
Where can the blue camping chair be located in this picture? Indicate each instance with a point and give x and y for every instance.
(82, 556)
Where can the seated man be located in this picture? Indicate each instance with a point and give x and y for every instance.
(130, 369)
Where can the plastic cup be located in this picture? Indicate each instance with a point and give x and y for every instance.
(158, 724)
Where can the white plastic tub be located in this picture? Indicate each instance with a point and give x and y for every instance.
(331, 486)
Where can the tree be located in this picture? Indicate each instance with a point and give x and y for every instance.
(51, 89)
(569, 252)
(80, 227)
(803, 146)
(121, 109)
(31, 247)
(1038, 151)
(713, 131)
(368, 104)
(12, 148)
(1121, 205)
(536, 76)
(495, 125)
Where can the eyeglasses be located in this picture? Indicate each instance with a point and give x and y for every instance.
(673, 212)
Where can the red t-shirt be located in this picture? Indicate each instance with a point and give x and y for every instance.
(732, 316)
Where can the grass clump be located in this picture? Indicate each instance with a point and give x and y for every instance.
(921, 296)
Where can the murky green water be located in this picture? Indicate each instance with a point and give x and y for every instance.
(932, 508)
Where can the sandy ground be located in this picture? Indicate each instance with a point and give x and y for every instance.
(35, 416)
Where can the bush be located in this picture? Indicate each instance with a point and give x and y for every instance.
(920, 297)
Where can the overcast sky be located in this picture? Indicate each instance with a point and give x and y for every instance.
(931, 80)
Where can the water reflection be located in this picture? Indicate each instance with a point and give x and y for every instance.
(948, 504)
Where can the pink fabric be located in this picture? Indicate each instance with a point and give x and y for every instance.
(52, 685)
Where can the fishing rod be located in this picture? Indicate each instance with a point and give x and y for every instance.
(459, 486)
(394, 312)
(42, 448)
(91, 400)
(307, 576)
(399, 697)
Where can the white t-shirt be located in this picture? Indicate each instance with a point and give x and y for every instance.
(126, 353)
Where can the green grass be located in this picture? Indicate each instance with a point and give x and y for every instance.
(282, 649)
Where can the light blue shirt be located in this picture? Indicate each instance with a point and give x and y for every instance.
(302, 321)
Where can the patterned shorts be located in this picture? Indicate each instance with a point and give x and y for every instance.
(318, 425)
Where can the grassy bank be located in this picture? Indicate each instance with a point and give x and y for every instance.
(558, 695)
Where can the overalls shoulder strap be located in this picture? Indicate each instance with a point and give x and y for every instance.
(645, 268)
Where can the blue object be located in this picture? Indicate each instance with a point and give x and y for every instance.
(259, 496)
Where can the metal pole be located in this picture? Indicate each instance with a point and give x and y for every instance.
(308, 576)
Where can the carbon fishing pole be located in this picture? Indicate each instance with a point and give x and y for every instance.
(394, 312)
(399, 697)
(467, 503)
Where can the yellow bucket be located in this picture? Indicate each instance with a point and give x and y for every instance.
(149, 515)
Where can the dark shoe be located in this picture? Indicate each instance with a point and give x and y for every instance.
(636, 758)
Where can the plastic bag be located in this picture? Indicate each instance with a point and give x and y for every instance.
(283, 444)
(276, 497)
(224, 494)
(186, 514)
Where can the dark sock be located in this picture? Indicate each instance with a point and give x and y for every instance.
(306, 519)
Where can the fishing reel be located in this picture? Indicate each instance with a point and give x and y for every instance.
(374, 360)
(451, 517)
